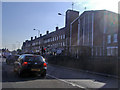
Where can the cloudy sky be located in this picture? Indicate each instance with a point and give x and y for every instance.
(21, 17)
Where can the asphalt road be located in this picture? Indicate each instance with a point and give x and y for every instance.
(12, 80)
(57, 77)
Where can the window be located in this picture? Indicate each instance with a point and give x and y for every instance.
(48, 40)
(100, 52)
(33, 44)
(96, 51)
(55, 38)
(115, 38)
(109, 39)
(64, 36)
(61, 36)
(109, 51)
(112, 51)
(51, 39)
(63, 43)
(116, 51)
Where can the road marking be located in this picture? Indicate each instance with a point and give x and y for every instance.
(66, 81)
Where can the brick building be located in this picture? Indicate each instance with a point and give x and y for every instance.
(93, 33)
(56, 41)
(96, 33)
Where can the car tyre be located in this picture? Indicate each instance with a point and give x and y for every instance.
(14, 69)
(43, 75)
(20, 74)
(7, 62)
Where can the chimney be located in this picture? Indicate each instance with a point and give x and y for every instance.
(40, 35)
(47, 32)
(56, 28)
(31, 38)
(35, 37)
(26, 40)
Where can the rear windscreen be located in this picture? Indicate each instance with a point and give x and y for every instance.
(33, 58)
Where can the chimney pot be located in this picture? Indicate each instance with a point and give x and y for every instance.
(31, 38)
(47, 32)
(56, 28)
(40, 35)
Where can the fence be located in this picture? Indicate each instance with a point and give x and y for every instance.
(106, 65)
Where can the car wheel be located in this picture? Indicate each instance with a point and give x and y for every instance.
(20, 73)
(14, 69)
(8, 62)
(43, 75)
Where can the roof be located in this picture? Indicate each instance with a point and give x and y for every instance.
(92, 11)
(56, 31)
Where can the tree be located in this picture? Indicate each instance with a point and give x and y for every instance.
(19, 51)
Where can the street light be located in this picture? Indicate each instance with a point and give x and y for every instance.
(38, 31)
(18, 44)
(66, 37)
(61, 14)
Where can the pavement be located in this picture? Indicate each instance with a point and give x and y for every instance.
(84, 79)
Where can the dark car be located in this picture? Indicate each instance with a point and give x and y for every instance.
(29, 63)
(11, 59)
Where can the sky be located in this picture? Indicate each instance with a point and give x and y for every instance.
(20, 18)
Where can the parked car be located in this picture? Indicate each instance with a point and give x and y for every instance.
(11, 59)
(30, 63)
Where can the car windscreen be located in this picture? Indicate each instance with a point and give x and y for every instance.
(33, 58)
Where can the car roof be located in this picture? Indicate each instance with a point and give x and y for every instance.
(27, 54)
(30, 55)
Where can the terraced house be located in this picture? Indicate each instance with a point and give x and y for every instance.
(54, 42)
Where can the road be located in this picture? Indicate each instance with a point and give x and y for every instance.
(57, 77)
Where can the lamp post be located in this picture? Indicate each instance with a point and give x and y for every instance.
(38, 31)
(67, 45)
(18, 44)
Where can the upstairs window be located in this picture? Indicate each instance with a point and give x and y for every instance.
(109, 39)
(61, 36)
(55, 38)
(115, 38)
(51, 39)
(64, 36)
